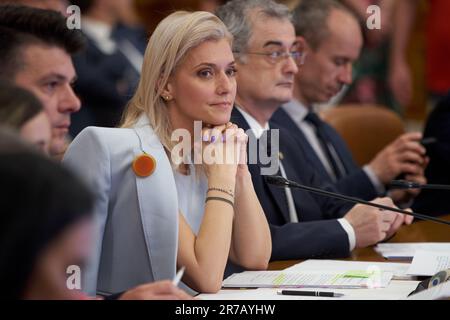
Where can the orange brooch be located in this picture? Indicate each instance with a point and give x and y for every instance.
(144, 165)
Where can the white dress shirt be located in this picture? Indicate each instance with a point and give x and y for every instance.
(101, 34)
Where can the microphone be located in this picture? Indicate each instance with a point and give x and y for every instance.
(405, 184)
(282, 182)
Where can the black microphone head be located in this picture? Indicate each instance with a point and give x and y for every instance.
(276, 180)
(398, 184)
(403, 184)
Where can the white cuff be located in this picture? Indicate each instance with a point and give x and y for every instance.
(350, 233)
(379, 187)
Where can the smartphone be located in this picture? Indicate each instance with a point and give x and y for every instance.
(428, 141)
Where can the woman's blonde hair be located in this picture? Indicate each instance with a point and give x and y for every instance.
(169, 44)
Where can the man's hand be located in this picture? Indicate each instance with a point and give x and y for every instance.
(160, 290)
(404, 155)
(400, 219)
(372, 225)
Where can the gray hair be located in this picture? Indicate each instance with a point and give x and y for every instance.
(310, 19)
(236, 16)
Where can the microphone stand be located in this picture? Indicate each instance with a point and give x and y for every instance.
(282, 182)
(404, 184)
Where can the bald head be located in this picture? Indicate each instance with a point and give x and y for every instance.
(330, 57)
(343, 25)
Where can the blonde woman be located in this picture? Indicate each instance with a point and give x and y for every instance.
(153, 214)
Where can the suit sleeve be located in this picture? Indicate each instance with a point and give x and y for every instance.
(89, 158)
(357, 184)
(98, 80)
(438, 127)
(331, 208)
(308, 240)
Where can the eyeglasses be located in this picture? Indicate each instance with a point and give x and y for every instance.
(277, 56)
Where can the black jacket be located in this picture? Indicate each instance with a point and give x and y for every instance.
(318, 234)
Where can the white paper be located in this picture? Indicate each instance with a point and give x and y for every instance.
(441, 291)
(428, 263)
(398, 269)
(283, 279)
(407, 250)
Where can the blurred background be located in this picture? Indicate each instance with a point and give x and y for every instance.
(371, 75)
(398, 70)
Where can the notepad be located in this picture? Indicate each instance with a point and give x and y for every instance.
(427, 263)
(336, 266)
(408, 249)
(282, 279)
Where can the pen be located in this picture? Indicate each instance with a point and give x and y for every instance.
(179, 275)
(310, 293)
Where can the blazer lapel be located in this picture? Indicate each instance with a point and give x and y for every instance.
(158, 216)
(307, 151)
(278, 193)
(341, 148)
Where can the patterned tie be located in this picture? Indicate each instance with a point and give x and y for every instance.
(326, 144)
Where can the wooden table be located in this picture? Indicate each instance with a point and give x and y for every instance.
(421, 231)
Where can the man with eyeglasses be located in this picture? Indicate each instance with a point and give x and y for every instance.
(302, 225)
(332, 36)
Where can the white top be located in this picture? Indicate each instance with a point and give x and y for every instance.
(256, 127)
(191, 196)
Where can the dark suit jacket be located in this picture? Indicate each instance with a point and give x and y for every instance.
(105, 84)
(318, 234)
(356, 183)
(435, 202)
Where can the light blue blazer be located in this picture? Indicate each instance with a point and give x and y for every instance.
(136, 218)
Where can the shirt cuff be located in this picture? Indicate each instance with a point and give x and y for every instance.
(379, 187)
(350, 233)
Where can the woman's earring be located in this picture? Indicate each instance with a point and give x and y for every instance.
(167, 98)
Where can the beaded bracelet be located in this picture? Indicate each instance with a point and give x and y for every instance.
(220, 199)
(228, 192)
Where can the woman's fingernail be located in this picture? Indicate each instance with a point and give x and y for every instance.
(213, 138)
(205, 138)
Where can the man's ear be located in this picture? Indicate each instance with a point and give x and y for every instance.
(303, 43)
